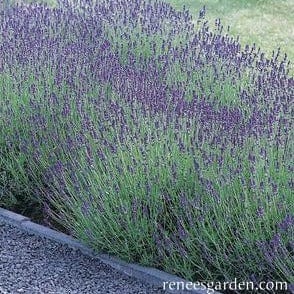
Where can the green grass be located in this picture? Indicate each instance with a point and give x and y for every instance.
(268, 23)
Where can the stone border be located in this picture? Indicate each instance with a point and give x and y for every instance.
(148, 275)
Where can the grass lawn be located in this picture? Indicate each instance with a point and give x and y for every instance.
(268, 23)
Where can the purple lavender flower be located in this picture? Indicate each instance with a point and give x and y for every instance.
(109, 93)
(287, 223)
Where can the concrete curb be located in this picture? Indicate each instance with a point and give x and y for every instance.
(148, 275)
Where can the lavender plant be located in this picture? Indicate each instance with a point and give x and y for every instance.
(149, 137)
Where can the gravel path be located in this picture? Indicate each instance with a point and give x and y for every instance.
(30, 264)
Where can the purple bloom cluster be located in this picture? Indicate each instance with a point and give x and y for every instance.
(139, 126)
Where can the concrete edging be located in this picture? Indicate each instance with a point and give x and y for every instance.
(148, 275)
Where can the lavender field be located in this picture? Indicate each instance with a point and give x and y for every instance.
(149, 136)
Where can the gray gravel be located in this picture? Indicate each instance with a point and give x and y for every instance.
(30, 264)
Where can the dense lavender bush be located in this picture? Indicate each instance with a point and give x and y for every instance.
(149, 136)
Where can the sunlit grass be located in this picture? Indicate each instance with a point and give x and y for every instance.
(268, 23)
